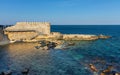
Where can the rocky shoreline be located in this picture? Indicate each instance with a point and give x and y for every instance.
(69, 37)
(65, 43)
(59, 39)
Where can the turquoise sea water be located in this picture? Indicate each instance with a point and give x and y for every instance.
(73, 61)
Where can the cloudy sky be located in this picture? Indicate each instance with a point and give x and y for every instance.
(80, 12)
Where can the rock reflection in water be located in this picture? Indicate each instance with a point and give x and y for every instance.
(18, 56)
(74, 61)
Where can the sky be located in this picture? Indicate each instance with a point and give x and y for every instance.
(61, 12)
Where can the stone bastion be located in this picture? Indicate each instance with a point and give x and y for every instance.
(27, 30)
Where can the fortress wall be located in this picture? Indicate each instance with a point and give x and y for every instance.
(41, 27)
(27, 30)
(19, 36)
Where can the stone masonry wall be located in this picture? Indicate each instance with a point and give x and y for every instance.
(40, 27)
(21, 36)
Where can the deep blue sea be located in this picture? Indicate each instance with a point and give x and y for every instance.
(73, 61)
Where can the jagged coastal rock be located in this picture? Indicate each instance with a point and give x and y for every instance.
(36, 31)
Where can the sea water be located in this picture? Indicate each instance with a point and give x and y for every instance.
(74, 61)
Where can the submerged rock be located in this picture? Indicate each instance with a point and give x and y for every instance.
(70, 44)
(37, 47)
(46, 45)
(25, 71)
(70, 72)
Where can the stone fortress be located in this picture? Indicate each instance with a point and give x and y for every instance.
(27, 30)
(40, 27)
(36, 31)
